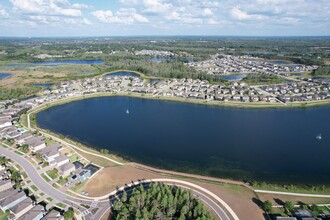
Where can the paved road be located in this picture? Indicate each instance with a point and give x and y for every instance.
(50, 190)
(292, 194)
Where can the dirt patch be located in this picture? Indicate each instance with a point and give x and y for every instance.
(239, 198)
(110, 177)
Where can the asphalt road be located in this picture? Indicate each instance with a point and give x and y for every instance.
(52, 192)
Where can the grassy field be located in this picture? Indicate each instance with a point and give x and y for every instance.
(3, 216)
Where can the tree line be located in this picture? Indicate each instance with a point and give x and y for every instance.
(159, 201)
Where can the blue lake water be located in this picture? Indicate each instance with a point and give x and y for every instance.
(123, 73)
(50, 64)
(45, 85)
(278, 62)
(233, 77)
(160, 59)
(62, 62)
(276, 145)
(28, 97)
(4, 75)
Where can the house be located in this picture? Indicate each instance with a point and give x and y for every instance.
(80, 176)
(5, 184)
(13, 134)
(21, 139)
(78, 164)
(11, 200)
(53, 215)
(50, 153)
(35, 144)
(21, 208)
(303, 214)
(5, 123)
(36, 213)
(62, 159)
(66, 169)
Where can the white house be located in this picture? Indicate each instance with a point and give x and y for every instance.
(50, 153)
(35, 144)
(5, 123)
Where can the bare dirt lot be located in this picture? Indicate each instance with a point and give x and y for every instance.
(237, 197)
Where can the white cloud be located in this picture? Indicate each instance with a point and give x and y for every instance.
(3, 12)
(129, 2)
(156, 7)
(46, 7)
(207, 12)
(122, 16)
(238, 14)
(80, 6)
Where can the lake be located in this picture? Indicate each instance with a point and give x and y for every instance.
(275, 145)
(4, 75)
(161, 59)
(122, 73)
(50, 64)
(62, 62)
(45, 85)
(233, 77)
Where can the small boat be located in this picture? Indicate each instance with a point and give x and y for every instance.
(127, 112)
(319, 137)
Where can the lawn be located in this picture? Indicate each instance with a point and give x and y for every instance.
(52, 173)
(3, 216)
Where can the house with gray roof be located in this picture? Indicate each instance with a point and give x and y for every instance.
(21, 208)
(50, 153)
(12, 200)
(36, 213)
(5, 184)
(53, 215)
(66, 169)
(35, 143)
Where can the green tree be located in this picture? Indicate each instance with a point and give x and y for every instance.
(289, 206)
(69, 214)
(267, 206)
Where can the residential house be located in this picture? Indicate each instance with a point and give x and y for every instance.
(61, 160)
(53, 215)
(5, 184)
(21, 208)
(66, 169)
(5, 123)
(35, 143)
(50, 153)
(21, 139)
(11, 200)
(80, 175)
(36, 213)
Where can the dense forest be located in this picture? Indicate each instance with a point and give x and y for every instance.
(11, 93)
(159, 201)
(321, 71)
(262, 79)
(167, 69)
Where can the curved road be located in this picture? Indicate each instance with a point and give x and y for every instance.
(104, 205)
(43, 185)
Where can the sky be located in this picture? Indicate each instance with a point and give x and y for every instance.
(62, 18)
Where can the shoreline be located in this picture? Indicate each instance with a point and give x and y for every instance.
(33, 112)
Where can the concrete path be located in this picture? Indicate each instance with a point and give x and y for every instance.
(292, 194)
